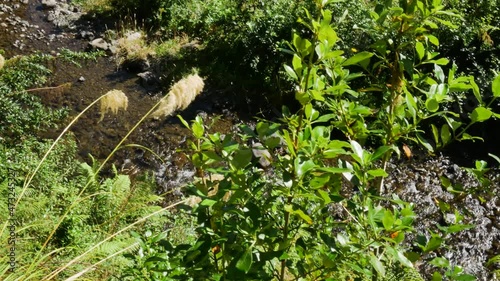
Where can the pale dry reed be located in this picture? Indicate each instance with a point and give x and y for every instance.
(2, 62)
(180, 96)
(113, 101)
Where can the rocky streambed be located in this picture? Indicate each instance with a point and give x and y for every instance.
(47, 26)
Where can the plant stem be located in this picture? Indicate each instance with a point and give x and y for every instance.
(285, 238)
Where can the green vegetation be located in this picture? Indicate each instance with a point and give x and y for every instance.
(312, 206)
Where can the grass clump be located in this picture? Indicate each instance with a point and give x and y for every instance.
(133, 48)
(113, 101)
(180, 96)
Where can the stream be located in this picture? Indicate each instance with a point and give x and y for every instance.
(27, 26)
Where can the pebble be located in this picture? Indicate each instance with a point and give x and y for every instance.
(81, 79)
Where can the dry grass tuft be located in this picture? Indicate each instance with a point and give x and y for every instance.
(2, 61)
(133, 47)
(180, 96)
(113, 101)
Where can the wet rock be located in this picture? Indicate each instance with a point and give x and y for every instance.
(99, 43)
(49, 4)
(137, 65)
(89, 35)
(148, 79)
(419, 182)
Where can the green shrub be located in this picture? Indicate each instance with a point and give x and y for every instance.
(311, 207)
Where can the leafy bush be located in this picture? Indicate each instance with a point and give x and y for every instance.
(19, 74)
(61, 207)
(292, 201)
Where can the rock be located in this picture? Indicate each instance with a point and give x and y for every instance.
(24, 1)
(113, 49)
(137, 65)
(262, 154)
(50, 4)
(134, 36)
(148, 79)
(99, 43)
(51, 17)
(81, 79)
(87, 35)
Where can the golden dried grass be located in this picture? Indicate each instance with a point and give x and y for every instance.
(2, 61)
(180, 96)
(133, 48)
(113, 101)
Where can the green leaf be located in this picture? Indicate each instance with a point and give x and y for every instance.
(412, 105)
(439, 73)
(297, 64)
(358, 58)
(459, 87)
(245, 261)
(459, 227)
(378, 173)
(475, 89)
(377, 264)
(446, 23)
(303, 216)
(419, 47)
(400, 257)
(208, 202)
(241, 158)
(388, 220)
(302, 167)
(381, 151)
(358, 151)
(433, 39)
(445, 134)
(441, 61)
(480, 114)
(436, 276)
(319, 181)
(495, 87)
(465, 277)
(291, 72)
(300, 213)
(302, 97)
(324, 195)
(184, 122)
(433, 244)
(440, 262)
(432, 105)
(435, 133)
(494, 157)
(198, 130)
(424, 142)
(326, 33)
(311, 113)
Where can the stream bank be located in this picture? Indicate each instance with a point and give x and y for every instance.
(29, 29)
